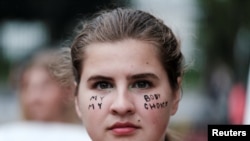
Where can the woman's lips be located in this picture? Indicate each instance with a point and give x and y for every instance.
(122, 129)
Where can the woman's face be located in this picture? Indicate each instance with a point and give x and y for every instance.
(124, 93)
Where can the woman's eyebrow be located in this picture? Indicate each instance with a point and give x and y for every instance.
(135, 76)
(144, 75)
(99, 77)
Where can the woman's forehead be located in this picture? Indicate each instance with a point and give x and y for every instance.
(127, 57)
(126, 47)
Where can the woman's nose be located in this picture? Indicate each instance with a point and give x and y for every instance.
(122, 104)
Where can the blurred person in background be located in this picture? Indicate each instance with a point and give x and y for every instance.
(46, 89)
(46, 84)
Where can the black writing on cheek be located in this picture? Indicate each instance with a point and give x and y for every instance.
(157, 96)
(152, 106)
(151, 97)
(146, 97)
(156, 105)
(151, 102)
(101, 97)
(91, 106)
(98, 102)
(100, 105)
(93, 97)
(146, 106)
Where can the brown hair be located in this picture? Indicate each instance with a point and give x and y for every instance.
(56, 61)
(119, 24)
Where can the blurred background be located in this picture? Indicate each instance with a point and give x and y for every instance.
(215, 39)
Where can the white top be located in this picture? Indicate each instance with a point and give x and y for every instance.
(35, 131)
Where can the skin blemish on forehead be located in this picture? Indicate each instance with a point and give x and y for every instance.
(147, 63)
(152, 101)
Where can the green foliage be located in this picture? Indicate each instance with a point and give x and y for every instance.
(219, 26)
(192, 79)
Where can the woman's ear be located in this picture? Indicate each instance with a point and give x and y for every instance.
(77, 107)
(177, 97)
(78, 111)
(70, 91)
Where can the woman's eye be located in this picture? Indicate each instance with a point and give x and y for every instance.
(142, 84)
(103, 85)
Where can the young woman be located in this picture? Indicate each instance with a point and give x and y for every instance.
(128, 67)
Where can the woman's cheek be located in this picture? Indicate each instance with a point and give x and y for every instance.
(95, 102)
(91, 106)
(154, 102)
(155, 107)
